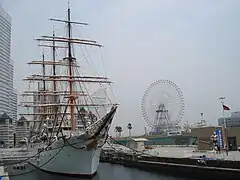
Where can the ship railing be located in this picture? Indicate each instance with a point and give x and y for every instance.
(92, 128)
(95, 124)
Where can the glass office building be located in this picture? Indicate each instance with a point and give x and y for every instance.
(8, 101)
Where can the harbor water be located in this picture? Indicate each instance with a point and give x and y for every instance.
(106, 172)
(109, 171)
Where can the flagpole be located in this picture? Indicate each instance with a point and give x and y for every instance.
(225, 126)
(222, 102)
(224, 119)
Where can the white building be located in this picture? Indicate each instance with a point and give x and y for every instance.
(22, 129)
(232, 121)
(6, 131)
(8, 100)
(137, 143)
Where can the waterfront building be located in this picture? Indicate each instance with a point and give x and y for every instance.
(22, 129)
(137, 143)
(6, 131)
(160, 140)
(232, 121)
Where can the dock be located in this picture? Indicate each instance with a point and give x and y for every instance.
(179, 162)
(15, 154)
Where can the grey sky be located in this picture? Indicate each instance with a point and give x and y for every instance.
(193, 43)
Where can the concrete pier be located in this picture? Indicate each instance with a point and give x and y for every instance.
(184, 170)
(199, 167)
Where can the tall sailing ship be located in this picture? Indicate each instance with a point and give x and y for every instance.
(69, 121)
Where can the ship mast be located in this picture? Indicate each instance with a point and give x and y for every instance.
(43, 89)
(70, 60)
(54, 74)
(54, 65)
(44, 73)
(44, 85)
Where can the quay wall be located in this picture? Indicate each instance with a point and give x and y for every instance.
(183, 170)
(185, 167)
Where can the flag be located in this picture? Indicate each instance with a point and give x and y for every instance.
(226, 108)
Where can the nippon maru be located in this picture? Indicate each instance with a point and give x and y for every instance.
(69, 122)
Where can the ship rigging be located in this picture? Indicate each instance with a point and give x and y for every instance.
(59, 96)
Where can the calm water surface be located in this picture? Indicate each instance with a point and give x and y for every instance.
(105, 172)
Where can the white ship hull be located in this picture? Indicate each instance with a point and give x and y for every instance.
(69, 160)
(75, 156)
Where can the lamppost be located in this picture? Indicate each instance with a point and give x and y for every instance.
(129, 126)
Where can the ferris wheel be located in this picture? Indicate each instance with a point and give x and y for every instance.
(163, 106)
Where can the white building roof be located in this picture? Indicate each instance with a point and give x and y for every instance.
(139, 139)
(116, 147)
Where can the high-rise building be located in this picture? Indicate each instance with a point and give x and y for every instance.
(14, 104)
(8, 96)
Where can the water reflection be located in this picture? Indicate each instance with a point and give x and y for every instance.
(105, 172)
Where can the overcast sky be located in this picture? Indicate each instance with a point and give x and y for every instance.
(194, 43)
